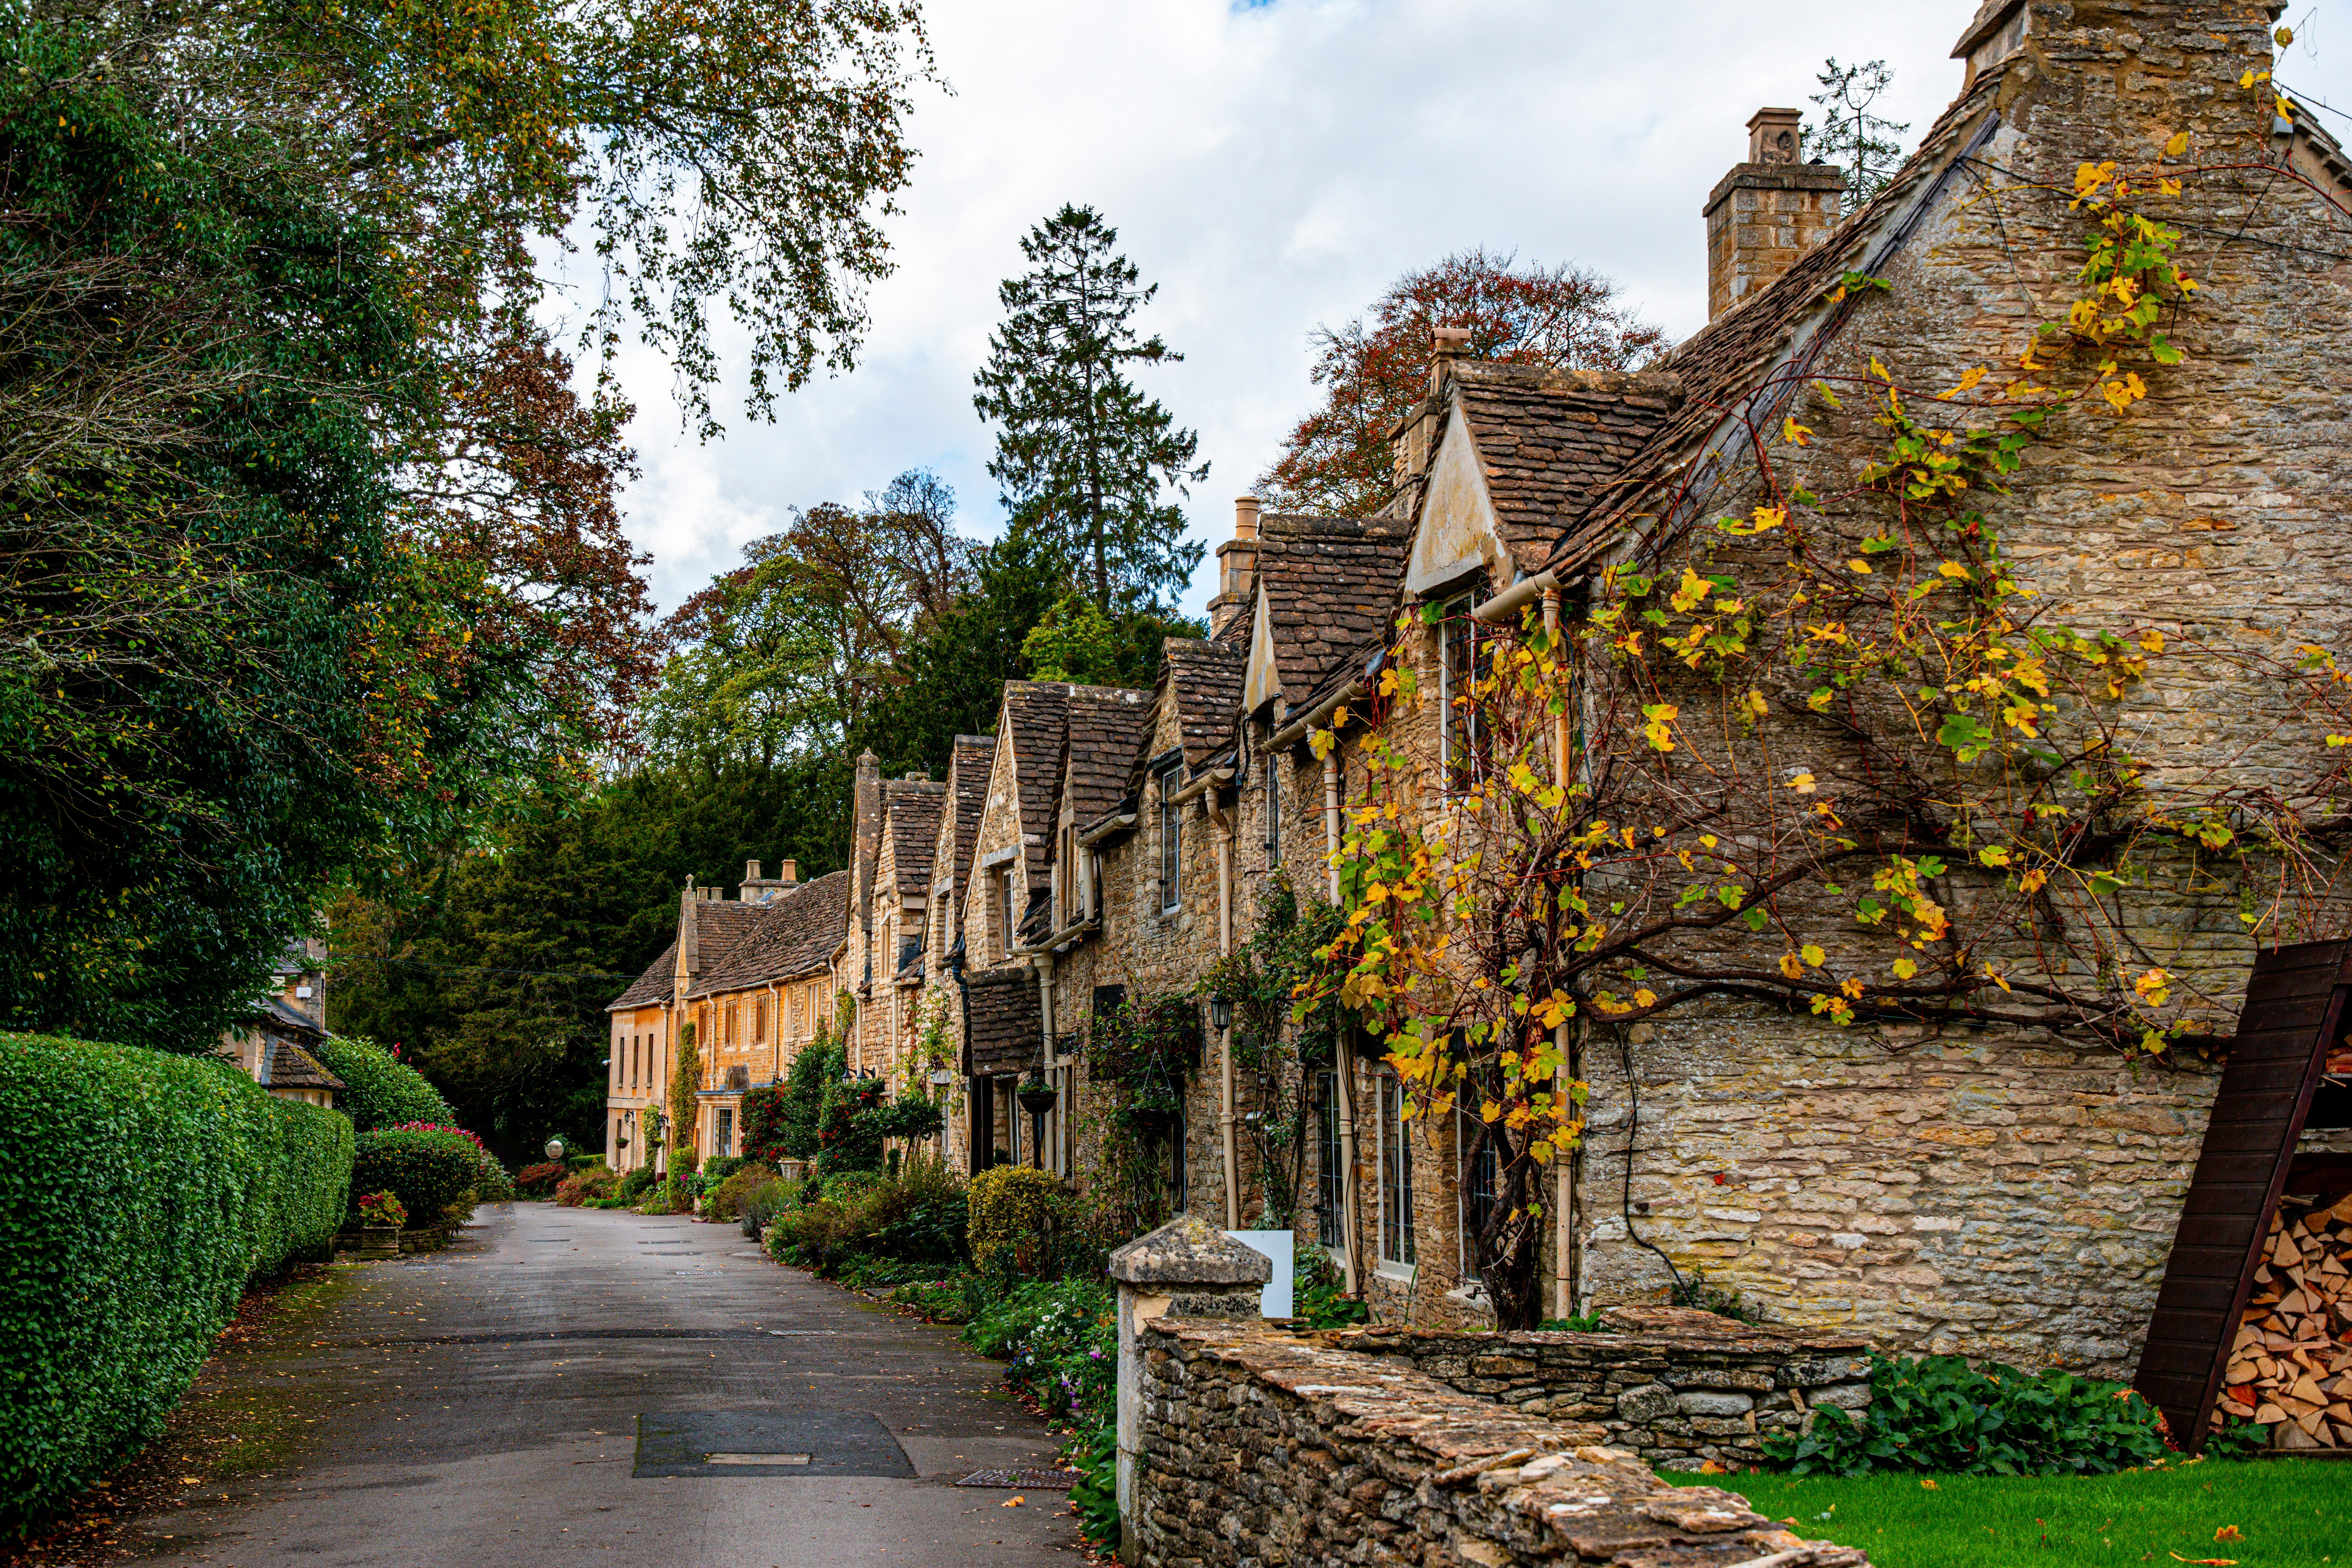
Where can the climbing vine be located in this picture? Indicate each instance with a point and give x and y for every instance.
(1141, 1056)
(1273, 1057)
(1841, 754)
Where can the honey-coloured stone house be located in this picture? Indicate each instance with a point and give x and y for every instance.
(1985, 1191)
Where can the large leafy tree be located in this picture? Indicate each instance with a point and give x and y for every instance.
(1084, 459)
(310, 558)
(1336, 461)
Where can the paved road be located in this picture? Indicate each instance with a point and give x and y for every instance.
(497, 1407)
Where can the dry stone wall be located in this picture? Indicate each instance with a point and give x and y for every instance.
(1262, 1447)
(1679, 1388)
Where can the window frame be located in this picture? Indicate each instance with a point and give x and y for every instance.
(1457, 629)
(1331, 1175)
(1172, 843)
(1273, 788)
(1395, 1176)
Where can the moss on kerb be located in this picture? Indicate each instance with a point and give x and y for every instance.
(1189, 1251)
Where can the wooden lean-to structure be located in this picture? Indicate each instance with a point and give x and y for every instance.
(2254, 1319)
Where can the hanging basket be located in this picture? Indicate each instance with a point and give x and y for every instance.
(1037, 1097)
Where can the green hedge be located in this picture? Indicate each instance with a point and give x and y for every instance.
(427, 1172)
(380, 1090)
(148, 1189)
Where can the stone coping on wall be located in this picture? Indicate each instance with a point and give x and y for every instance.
(1277, 1448)
(1678, 1387)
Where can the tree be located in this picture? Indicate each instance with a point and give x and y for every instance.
(685, 1084)
(1849, 134)
(1337, 463)
(1082, 456)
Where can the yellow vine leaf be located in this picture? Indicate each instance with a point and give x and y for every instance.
(1812, 953)
(1801, 783)
(1993, 855)
(1904, 969)
(2155, 987)
(1792, 966)
(1968, 383)
(2176, 145)
(1796, 435)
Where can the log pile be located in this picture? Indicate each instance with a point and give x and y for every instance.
(2291, 1367)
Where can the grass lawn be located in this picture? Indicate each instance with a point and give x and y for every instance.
(2288, 1511)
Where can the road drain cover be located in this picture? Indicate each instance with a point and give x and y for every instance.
(1025, 1480)
(767, 1443)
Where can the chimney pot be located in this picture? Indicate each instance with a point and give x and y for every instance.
(790, 873)
(1447, 341)
(751, 871)
(1245, 510)
(1773, 135)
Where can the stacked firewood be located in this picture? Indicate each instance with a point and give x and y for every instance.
(2290, 1368)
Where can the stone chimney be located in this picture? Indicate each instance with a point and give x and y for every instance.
(1408, 442)
(1767, 212)
(791, 874)
(689, 952)
(1236, 566)
(866, 834)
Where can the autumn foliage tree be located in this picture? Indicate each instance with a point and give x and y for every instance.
(1335, 461)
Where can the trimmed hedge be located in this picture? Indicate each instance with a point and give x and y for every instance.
(151, 1188)
(380, 1090)
(426, 1171)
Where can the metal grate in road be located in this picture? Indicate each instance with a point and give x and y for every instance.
(1025, 1480)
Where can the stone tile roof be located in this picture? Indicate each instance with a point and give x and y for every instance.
(910, 819)
(1205, 680)
(1328, 582)
(720, 924)
(1735, 355)
(1108, 728)
(1033, 717)
(969, 760)
(285, 1065)
(1548, 439)
(1003, 1026)
(790, 936)
(652, 988)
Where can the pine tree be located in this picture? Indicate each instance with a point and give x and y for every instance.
(1083, 457)
(1849, 135)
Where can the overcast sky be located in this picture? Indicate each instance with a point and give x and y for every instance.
(1271, 166)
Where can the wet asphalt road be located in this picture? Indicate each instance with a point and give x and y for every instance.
(482, 1407)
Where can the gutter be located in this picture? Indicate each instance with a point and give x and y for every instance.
(1506, 605)
(1048, 945)
(1216, 778)
(1291, 734)
(1102, 830)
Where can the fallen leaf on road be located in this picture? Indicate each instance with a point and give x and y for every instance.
(2227, 1532)
(1010, 1502)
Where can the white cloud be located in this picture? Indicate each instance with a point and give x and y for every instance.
(1270, 167)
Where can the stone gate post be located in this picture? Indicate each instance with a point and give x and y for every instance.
(1186, 1268)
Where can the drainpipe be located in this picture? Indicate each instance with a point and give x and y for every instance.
(1345, 1062)
(1043, 964)
(1224, 821)
(1564, 1249)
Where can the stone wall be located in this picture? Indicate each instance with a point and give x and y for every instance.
(1266, 1449)
(1680, 1388)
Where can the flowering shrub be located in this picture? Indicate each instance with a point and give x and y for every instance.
(595, 1182)
(382, 1208)
(430, 1169)
(1062, 1338)
(539, 1178)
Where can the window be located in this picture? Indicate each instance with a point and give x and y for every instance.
(723, 1131)
(1480, 1172)
(1456, 674)
(1330, 1186)
(1170, 841)
(1396, 1174)
(1273, 808)
(1004, 907)
(759, 1021)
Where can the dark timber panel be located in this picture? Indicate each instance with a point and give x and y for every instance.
(2295, 1007)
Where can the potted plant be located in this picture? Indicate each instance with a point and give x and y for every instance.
(381, 1218)
(1036, 1096)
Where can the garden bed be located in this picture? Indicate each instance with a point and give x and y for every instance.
(2286, 1512)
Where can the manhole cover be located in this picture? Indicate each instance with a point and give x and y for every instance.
(767, 1443)
(1025, 1480)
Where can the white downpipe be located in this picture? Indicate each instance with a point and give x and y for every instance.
(1227, 1089)
(1345, 1058)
